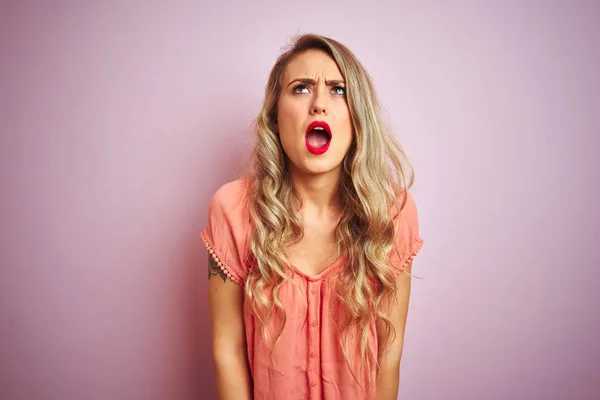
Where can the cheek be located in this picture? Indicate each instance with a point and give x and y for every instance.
(287, 112)
(347, 122)
(342, 111)
(348, 132)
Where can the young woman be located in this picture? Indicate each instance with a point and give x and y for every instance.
(310, 256)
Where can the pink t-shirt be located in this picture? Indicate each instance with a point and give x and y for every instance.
(307, 363)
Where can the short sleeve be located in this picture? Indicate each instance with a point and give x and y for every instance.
(407, 242)
(226, 232)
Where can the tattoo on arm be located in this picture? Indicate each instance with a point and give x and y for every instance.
(213, 269)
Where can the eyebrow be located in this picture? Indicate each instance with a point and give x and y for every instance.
(308, 81)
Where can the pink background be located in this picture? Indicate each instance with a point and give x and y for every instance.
(118, 122)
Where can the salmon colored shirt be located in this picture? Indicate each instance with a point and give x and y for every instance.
(307, 363)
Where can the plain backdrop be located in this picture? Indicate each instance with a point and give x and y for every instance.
(119, 120)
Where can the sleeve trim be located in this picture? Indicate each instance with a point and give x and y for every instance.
(416, 247)
(213, 253)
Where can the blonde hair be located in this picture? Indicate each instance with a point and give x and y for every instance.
(375, 174)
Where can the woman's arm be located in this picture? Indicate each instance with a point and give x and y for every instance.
(389, 361)
(225, 300)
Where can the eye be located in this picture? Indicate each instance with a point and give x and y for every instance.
(339, 90)
(300, 89)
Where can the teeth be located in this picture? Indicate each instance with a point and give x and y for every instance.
(319, 128)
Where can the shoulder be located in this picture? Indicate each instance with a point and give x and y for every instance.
(228, 210)
(231, 199)
(407, 241)
(228, 220)
(231, 193)
(407, 205)
(408, 212)
(227, 229)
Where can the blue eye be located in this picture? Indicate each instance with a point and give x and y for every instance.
(339, 90)
(299, 89)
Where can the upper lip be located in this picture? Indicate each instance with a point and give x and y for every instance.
(321, 124)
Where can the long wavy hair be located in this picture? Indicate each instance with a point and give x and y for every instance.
(375, 178)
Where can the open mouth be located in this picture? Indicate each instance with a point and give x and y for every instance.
(318, 137)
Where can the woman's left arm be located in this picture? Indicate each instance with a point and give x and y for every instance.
(389, 361)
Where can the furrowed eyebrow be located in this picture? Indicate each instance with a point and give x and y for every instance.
(338, 82)
(309, 81)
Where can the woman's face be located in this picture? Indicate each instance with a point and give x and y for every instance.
(313, 119)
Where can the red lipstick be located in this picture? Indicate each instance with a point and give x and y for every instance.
(318, 137)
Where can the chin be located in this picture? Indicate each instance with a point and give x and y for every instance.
(310, 164)
(322, 167)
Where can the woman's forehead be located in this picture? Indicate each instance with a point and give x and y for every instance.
(313, 64)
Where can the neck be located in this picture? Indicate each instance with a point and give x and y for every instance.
(317, 192)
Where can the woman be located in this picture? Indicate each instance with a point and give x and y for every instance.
(309, 258)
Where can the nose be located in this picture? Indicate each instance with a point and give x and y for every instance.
(319, 105)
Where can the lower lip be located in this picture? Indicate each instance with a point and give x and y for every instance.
(319, 150)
